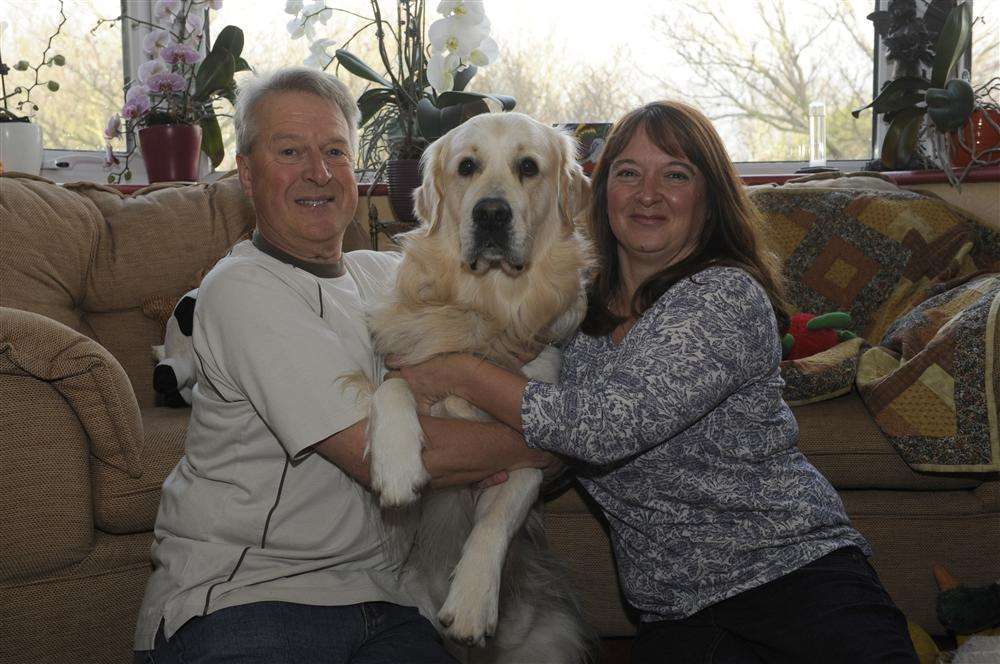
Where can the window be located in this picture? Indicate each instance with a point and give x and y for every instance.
(754, 67)
(90, 83)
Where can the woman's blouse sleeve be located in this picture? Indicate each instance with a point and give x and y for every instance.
(708, 335)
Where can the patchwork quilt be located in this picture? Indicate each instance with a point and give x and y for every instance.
(933, 382)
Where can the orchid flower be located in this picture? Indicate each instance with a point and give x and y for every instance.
(150, 67)
(154, 41)
(194, 25)
(296, 27)
(293, 6)
(470, 13)
(167, 9)
(180, 53)
(441, 72)
(109, 156)
(450, 34)
(318, 11)
(318, 55)
(114, 127)
(166, 82)
(485, 53)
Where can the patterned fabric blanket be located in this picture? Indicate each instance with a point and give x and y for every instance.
(933, 382)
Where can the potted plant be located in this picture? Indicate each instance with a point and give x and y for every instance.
(20, 139)
(172, 103)
(914, 105)
(418, 89)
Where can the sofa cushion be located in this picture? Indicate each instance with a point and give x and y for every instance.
(842, 440)
(870, 253)
(124, 504)
(50, 237)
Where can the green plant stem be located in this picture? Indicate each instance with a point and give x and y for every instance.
(43, 63)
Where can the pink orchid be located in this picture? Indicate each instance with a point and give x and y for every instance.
(177, 53)
(166, 82)
(155, 40)
(114, 127)
(109, 156)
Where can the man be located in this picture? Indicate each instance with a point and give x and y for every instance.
(266, 548)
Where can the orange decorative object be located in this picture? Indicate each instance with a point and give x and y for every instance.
(977, 133)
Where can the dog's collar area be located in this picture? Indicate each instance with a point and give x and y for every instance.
(323, 270)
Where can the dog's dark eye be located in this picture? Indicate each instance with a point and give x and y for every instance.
(467, 167)
(527, 167)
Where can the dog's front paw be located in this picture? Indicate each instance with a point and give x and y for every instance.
(398, 472)
(469, 614)
(397, 478)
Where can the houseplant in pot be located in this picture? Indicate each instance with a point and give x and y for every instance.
(923, 106)
(417, 89)
(171, 105)
(21, 139)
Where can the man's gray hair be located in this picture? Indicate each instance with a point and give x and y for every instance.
(291, 79)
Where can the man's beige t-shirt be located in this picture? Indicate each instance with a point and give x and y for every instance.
(251, 513)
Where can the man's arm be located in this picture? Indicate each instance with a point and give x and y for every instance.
(456, 452)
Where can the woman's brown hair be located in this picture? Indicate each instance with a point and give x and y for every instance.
(728, 237)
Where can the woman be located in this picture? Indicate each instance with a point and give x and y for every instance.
(731, 546)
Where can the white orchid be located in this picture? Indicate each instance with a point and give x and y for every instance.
(318, 11)
(471, 13)
(195, 24)
(486, 53)
(296, 27)
(450, 34)
(154, 41)
(167, 9)
(293, 7)
(319, 57)
(440, 75)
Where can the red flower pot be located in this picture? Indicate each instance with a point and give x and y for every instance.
(977, 133)
(171, 152)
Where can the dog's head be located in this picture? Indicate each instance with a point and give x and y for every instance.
(504, 187)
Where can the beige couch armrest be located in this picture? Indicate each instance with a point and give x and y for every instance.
(85, 374)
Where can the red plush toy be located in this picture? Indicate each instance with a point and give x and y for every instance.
(809, 334)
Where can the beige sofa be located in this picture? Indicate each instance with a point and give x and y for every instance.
(84, 449)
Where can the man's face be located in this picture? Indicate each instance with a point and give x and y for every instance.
(300, 174)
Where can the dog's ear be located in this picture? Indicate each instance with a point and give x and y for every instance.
(428, 197)
(574, 185)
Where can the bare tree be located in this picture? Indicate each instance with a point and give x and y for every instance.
(765, 84)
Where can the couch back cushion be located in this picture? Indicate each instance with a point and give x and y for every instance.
(869, 253)
(89, 256)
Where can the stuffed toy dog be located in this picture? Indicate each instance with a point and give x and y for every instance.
(173, 376)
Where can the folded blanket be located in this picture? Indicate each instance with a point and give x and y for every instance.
(932, 383)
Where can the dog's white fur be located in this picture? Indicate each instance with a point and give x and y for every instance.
(457, 293)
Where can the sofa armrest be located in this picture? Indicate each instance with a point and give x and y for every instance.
(87, 376)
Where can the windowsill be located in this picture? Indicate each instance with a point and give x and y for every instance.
(901, 178)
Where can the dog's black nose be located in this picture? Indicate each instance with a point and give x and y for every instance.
(492, 214)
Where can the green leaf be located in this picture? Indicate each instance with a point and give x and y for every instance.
(952, 43)
(892, 93)
(371, 101)
(243, 65)
(901, 138)
(211, 139)
(950, 107)
(215, 73)
(230, 39)
(429, 120)
(354, 65)
(463, 77)
(452, 97)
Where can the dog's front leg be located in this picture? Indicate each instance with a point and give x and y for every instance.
(469, 613)
(396, 442)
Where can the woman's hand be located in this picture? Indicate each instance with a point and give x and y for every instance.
(430, 381)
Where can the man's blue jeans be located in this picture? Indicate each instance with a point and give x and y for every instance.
(286, 633)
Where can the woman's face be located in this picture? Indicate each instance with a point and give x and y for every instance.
(656, 204)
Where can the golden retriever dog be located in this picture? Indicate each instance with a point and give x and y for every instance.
(497, 265)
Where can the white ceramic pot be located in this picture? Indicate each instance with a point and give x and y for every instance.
(21, 147)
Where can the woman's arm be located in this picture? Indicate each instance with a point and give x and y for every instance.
(715, 333)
